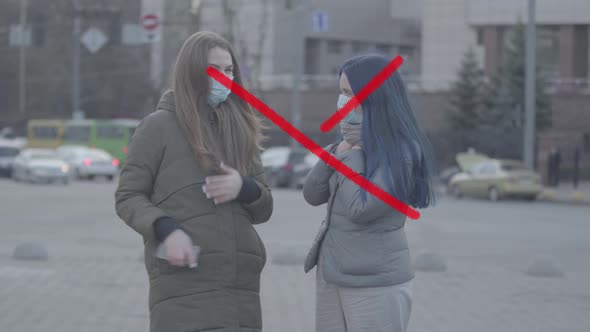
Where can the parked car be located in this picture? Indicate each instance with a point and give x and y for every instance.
(89, 163)
(9, 150)
(302, 169)
(279, 164)
(494, 179)
(447, 174)
(40, 165)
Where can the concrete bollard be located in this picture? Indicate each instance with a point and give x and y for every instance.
(430, 262)
(543, 268)
(30, 251)
(547, 195)
(578, 197)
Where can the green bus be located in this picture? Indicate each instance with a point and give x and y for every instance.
(110, 135)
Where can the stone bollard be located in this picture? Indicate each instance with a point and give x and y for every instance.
(430, 262)
(30, 251)
(543, 268)
(578, 197)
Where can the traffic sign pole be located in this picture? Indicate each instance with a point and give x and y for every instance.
(76, 62)
(22, 59)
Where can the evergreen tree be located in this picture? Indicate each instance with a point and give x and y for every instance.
(467, 94)
(506, 106)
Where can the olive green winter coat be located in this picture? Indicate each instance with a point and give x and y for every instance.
(161, 178)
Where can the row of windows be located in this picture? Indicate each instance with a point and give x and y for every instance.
(82, 133)
(111, 25)
(337, 47)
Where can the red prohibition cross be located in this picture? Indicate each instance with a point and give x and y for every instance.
(326, 126)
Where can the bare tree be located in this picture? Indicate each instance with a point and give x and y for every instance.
(250, 50)
(229, 16)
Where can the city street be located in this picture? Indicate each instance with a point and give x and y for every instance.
(94, 279)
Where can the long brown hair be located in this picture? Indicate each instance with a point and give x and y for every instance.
(231, 132)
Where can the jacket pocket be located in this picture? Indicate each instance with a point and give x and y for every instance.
(150, 260)
(207, 265)
(358, 254)
(311, 259)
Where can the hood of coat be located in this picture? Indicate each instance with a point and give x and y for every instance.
(167, 102)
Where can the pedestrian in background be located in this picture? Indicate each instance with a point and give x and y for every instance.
(553, 166)
(364, 271)
(193, 177)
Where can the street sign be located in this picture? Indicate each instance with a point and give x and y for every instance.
(150, 22)
(151, 25)
(20, 36)
(94, 39)
(133, 34)
(320, 21)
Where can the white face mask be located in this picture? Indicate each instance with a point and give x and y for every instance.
(353, 117)
(218, 92)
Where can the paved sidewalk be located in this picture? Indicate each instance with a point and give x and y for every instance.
(95, 294)
(94, 280)
(566, 193)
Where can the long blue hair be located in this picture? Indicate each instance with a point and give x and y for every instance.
(392, 140)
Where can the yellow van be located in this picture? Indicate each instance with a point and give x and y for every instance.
(45, 133)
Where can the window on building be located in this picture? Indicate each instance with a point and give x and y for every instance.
(358, 47)
(383, 48)
(548, 50)
(587, 142)
(406, 51)
(479, 35)
(334, 47)
(312, 49)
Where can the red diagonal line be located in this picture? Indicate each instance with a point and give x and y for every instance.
(311, 145)
(356, 100)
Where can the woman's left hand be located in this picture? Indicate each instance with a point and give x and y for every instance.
(223, 188)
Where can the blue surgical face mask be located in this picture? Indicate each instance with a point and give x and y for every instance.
(353, 117)
(218, 93)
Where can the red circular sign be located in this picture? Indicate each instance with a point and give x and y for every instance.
(150, 21)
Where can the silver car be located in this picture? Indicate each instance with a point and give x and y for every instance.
(89, 163)
(40, 166)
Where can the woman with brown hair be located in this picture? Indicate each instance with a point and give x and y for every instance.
(193, 187)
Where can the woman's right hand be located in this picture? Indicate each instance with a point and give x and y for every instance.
(343, 146)
(179, 249)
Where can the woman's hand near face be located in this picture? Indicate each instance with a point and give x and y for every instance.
(343, 146)
(223, 188)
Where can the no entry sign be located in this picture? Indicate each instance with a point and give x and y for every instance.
(150, 22)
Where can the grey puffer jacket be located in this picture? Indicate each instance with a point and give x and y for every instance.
(359, 244)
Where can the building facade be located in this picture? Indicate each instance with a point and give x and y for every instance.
(450, 27)
(114, 74)
(264, 32)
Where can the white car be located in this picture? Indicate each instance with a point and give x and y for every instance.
(279, 163)
(87, 163)
(40, 165)
(302, 169)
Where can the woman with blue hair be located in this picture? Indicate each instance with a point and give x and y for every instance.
(364, 271)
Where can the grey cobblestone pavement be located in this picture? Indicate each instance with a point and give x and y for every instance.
(94, 280)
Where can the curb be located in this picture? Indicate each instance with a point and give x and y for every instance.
(574, 198)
